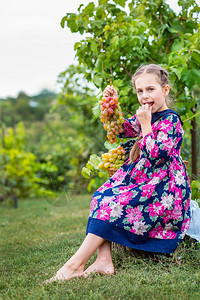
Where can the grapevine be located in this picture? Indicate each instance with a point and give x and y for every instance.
(111, 115)
(113, 159)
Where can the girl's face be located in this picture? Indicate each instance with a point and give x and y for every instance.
(149, 91)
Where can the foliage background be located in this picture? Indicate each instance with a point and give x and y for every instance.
(60, 132)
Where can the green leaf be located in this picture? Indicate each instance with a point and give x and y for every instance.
(178, 45)
(90, 185)
(81, 5)
(107, 27)
(95, 160)
(100, 12)
(90, 166)
(89, 9)
(119, 83)
(64, 19)
(99, 65)
(96, 110)
(177, 72)
(77, 45)
(162, 29)
(109, 146)
(191, 77)
(94, 47)
(86, 172)
(135, 41)
(97, 23)
(196, 56)
(141, 27)
(195, 185)
(114, 42)
(103, 2)
(120, 2)
(97, 80)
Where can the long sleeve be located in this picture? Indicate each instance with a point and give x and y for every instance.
(164, 138)
(131, 128)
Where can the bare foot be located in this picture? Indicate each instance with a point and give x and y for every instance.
(67, 272)
(101, 267)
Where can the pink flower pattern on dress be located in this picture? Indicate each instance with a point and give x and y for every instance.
(147, 190)
(187, 204)
(93, 203)
(117, 210)
(119, 175)
(162, 233)
(165, 126)
(156, 209)
(139, 176)
(185, 225)
(139, 228)
(151, 196)
(105, 186)
(167, 201)
(106, 200)
(125, 197)
(178, 196)
(177, 212)
(133, 214)
(104, 213)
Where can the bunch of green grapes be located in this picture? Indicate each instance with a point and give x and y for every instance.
(113, 159)
(111, 114)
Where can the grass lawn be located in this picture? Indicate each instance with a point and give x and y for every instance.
(37, 238)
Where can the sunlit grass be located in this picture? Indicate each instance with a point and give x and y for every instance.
(37, 238)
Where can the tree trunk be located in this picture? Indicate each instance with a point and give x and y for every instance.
(194, 146)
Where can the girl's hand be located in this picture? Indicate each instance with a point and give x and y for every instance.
(144, 117)
(110, 92)
(144, 114)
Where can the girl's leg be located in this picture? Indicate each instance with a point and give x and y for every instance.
(74, 267)
(103, 263)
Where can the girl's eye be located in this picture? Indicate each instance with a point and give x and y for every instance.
(150, 89)
(139, 91)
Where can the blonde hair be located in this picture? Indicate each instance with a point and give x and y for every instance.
(162, 74)
(163, 79)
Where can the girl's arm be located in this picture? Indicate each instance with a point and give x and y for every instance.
(144, 117)
(131, 128)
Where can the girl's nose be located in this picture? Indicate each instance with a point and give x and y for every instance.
(145, 95)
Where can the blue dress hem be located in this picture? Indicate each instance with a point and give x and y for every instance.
(118, 235)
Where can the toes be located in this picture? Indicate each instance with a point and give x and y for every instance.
(52, 279)
(57, 277)
(85, 275)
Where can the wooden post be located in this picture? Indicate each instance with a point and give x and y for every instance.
(186, 163)
(15, 201)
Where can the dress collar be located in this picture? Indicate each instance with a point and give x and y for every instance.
(158, 115)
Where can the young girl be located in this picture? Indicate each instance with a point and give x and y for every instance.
(145, 204)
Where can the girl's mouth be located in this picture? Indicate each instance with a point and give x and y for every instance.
(150, 104)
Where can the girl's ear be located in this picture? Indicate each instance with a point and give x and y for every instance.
(166, 90)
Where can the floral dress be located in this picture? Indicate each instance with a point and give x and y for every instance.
(145, 204)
